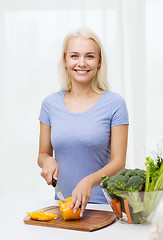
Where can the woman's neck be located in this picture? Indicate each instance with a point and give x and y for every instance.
(81, 90)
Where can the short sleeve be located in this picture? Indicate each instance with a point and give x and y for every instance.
(120, 113)
(44, 116)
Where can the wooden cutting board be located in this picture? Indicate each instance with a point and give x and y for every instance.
(91, 221)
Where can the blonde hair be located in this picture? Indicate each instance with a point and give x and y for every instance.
(99, 83)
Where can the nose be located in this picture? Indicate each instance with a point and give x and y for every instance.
(81, 62)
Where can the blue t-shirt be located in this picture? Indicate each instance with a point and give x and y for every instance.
(81, 141)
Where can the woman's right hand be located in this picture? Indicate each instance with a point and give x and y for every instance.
(50, 169)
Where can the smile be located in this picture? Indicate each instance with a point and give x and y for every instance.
(81, 72)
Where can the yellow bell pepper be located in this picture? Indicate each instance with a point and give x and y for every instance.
(46, 216)
(66, 210)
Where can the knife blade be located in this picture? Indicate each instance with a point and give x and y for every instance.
(57, 190)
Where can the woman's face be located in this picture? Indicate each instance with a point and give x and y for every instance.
(82, 59)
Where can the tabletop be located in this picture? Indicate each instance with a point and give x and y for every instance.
(13, 209)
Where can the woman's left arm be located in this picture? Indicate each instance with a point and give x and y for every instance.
(118, 148)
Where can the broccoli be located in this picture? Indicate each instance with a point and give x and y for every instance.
(134, 184)
(126, 184)
(111, 188)
(120, 182)
(122, 172)
(130, 173)
(141, 173)
(112, 178)
(126, 180)
(105, 180)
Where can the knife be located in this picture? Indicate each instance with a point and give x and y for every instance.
(57, 190)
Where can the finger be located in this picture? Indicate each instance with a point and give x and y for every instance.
(73, 201)
(83, 206)
(77, 204)
(45, 174)
(49, 179)
(55, 174)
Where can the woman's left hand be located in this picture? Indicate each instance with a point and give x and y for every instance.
(81, 194)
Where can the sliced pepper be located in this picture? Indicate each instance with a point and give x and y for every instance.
(46, 216)
(66, 210)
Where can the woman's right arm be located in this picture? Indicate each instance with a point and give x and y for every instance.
(45, 158)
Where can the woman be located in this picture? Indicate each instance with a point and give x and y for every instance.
(85, 124)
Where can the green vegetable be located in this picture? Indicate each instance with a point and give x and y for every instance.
(124, 185)
(104, 178)
(105, 181)
(131, 173)
(134, 183)
(152, 174)
(141, 173)
(130, 183)
(121, 182)
(122, 172)
(154, 182)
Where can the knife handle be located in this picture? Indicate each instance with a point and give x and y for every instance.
(54, 182)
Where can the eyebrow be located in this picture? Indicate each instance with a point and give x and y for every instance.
(86, 53)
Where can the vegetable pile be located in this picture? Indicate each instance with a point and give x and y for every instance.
(135, 192)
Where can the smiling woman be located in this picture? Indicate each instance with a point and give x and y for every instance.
(85, 124)
(83, 49)
(30, 47)
(82, 59)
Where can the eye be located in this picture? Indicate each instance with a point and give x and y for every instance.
(90, 56)
(74, 56)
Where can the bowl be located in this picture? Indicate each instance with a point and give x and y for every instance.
(133, 207)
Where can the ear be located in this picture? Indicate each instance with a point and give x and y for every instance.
(65, 61)
(99, 64)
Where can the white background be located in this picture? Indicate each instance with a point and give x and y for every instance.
(31, 34)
